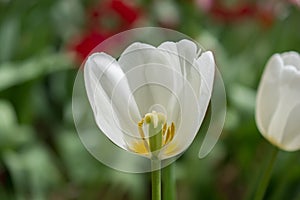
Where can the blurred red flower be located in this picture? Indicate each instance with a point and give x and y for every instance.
(83, 45)
(113, 15)
(232, 14)
(264, 12)
(104, 20)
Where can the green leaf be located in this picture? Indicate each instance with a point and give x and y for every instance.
(9, 33)
(68, 17)
(81, 166)
(12, 74)
(15, 166)
(7, 115)
(11, 133)
(33, 171)
(243, 97)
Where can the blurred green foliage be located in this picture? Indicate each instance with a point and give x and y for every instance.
(41, 156)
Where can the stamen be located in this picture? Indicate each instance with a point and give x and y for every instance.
(164, 129)
(141, 132)
(140, 128)
(168, 136)
(172, 131)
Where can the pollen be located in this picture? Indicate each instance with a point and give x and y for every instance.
(139, 147)
(169, 134)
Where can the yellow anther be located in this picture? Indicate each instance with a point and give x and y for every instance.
(172, 131)
(164, 129)
(141, 132)
(140, 123)
(140, 128)
(148, 118)
(168, 136)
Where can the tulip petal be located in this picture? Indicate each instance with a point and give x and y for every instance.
(180, 57)
(183, 59)
(186, 130)
(153, 81)
(289, 96)
(291, 139)
(291, 58)
(98, 98)
(101, 74)
(148, 66)
(200, 75)
(170, 51)
(134, 62)
(138, 54)
(268, 93)
(187, 52)
(206, 66)
(289, 89)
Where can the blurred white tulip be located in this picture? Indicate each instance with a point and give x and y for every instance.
(278, 101)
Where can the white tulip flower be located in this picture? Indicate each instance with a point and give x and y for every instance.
(152, 100)
(278, 101)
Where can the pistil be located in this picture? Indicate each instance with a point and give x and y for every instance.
(159, 134)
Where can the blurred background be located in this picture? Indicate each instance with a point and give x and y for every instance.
(42, 46)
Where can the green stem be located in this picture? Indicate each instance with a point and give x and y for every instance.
(260, 193)
(169, 182)
(156, 177)
(155, 142)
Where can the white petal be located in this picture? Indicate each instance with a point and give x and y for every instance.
(206, 67)
(152, 80)
(291, 58)
(162, 91)
(181, 56)
(138, 54)
(268, 93)
(291, 139)
(188, 127)
(150, 68)
(195, 72)
(134, 61)
(289, 89)
(102, 76)
(97, 96)
(187, 51)
(170, 52)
